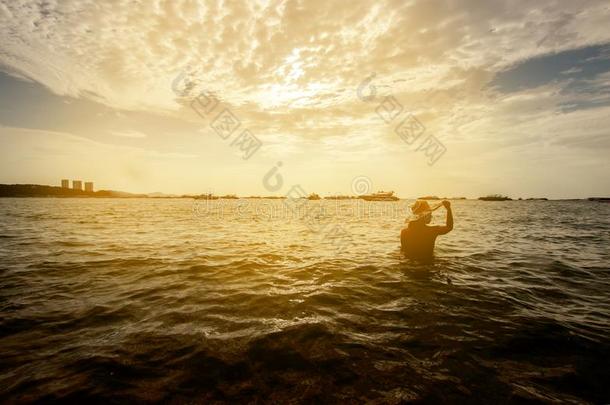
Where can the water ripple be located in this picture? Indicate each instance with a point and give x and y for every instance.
(140, 300)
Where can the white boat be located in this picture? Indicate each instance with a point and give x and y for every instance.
(380, 196)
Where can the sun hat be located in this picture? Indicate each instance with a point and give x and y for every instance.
(420, 209)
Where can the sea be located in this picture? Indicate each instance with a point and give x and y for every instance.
(299, 302)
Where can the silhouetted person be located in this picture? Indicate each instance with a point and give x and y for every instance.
(417, 239)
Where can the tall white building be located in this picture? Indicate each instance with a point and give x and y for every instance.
(88, 186)
(77, 185)
(65, 183)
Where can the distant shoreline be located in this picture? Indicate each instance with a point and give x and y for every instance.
(42, 191)
(37, 190)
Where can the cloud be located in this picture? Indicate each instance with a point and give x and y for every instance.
(60, 143)
(290, 69)
(129, 134)
(276, 53)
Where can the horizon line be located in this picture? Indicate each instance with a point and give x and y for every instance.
(161, 194)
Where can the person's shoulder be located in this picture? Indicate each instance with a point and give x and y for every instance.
(434, 228)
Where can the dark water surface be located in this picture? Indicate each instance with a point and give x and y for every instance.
(163, 300)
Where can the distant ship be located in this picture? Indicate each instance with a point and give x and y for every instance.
(313, 196)
(380, 196)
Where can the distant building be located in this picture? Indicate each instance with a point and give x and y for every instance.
(89, 186)
(65, 183)
(77, 185)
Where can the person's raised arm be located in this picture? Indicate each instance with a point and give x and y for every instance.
(449, 224)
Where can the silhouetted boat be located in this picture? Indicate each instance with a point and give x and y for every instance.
(313, 196)
(380, 196)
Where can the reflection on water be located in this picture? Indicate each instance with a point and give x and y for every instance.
(165, 300)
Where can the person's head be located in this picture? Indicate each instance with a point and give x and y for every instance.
(422, 213)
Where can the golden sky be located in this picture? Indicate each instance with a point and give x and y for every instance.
(517, 94)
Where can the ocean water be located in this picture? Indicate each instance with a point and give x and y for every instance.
(176, 300)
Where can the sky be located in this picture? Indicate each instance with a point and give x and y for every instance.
(422, 97)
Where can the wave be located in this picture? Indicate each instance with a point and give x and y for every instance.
(140, 307)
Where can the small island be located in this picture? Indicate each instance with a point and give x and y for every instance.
(208, 196)
(495, 197)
